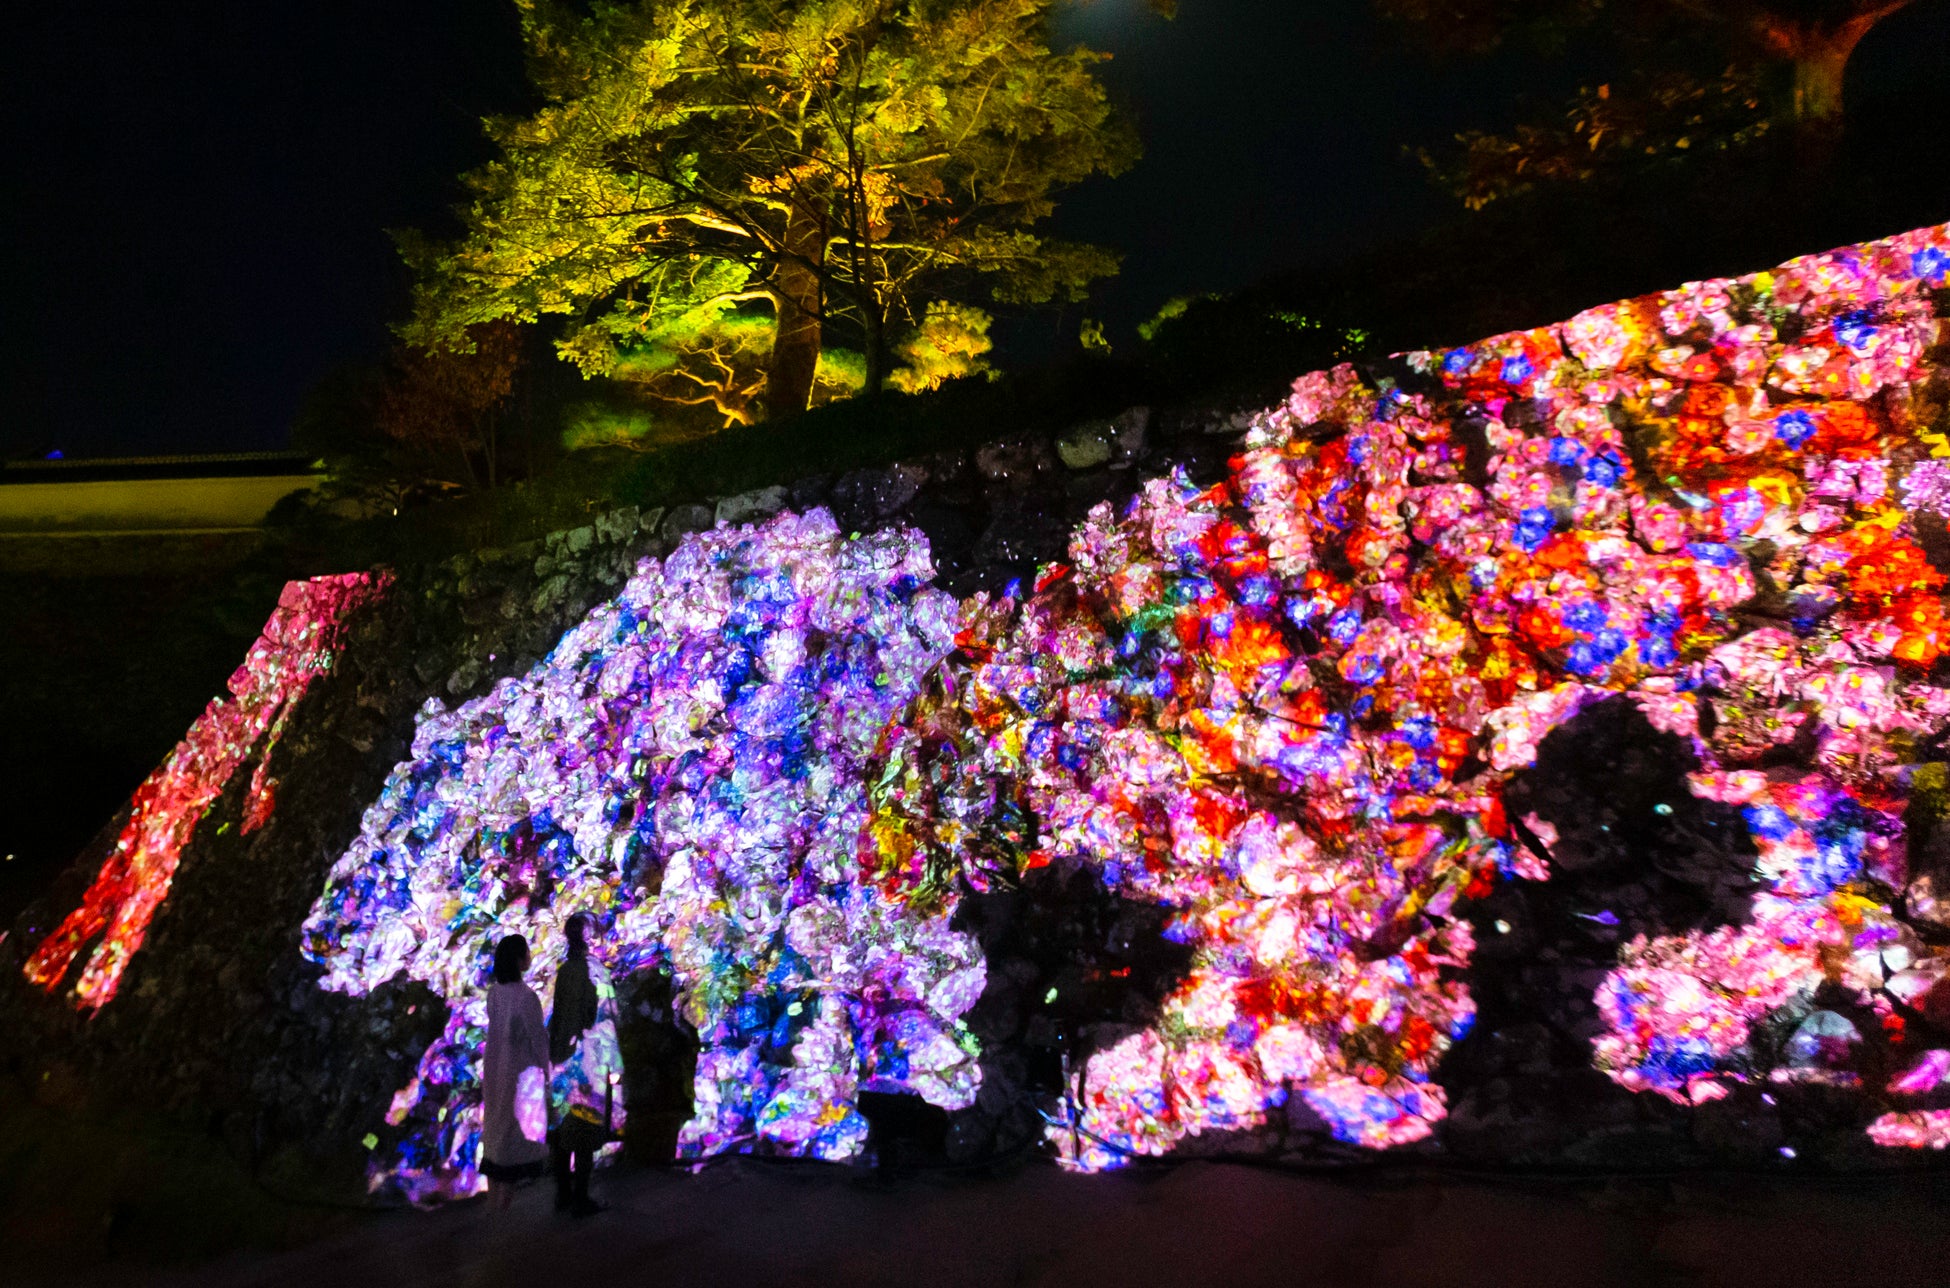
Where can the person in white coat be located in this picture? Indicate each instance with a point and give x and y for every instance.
(514, 1077)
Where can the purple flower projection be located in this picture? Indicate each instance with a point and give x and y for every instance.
(685, 769)
(1286, 707)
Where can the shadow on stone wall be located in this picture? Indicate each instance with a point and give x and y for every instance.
(220, 1021)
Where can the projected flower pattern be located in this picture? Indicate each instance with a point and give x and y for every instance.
(297, 645)
(684, 768)
(1286, 707)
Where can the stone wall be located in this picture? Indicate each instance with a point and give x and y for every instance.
(1533, 755)
(220, 1020)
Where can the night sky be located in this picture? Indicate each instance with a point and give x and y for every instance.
(200, 191)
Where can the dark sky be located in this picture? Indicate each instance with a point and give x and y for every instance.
(199, 191)
(1274, 136)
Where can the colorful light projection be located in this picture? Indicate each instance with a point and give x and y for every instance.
(1286, 706)
(440, 1107)
(298, 645)
(685, 768)
(1822, 462)
(588, 1084)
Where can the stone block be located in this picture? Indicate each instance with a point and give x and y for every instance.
(687, 518)
(1023, 533)
(1130, 432)
(1011, 460)
(750, 507)
(549, 594)
(615, 525)
(945, 468)
(1219, 423)
(465, 676)
(863, 496)
(1085, 446)
(804, 494)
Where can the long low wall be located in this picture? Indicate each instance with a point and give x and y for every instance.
(134, 506)
(1530, 752)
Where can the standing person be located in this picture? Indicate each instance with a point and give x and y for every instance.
(582, 1039)
(514, 1074)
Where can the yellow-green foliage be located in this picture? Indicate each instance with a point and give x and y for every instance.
(1929, 796)
(650, 200)
(1171, 309)
(595, 424)
(950, 343)
(842, 373)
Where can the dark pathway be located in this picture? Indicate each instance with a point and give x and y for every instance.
(748, 1223)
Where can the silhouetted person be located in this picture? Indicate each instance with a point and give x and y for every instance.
(585, 1086)
(514, 1077)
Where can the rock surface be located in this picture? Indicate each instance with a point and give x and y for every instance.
(221, 1020)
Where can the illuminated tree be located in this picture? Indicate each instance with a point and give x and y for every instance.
(1743, 68)
(699, 165)
(949, 344)
(715, 361)
(715, 358)
(337, 422)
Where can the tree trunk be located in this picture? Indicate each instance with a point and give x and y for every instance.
(1815, 58)
(1815, 99)
(795, 345)
(875, 327)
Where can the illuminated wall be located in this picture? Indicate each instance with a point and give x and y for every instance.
(704, 733)
(1286, 707)
(135, 506)
(298, 645)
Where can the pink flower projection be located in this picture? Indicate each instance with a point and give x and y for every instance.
(298, 644)
(1286, 706)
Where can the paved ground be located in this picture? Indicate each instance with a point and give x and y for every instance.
(749, 1223)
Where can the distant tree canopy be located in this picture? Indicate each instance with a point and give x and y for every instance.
(422, 423)
(440, 401)
(714, 187)
(1707, 74)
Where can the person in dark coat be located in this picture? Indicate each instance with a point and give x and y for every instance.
(582, 1041)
